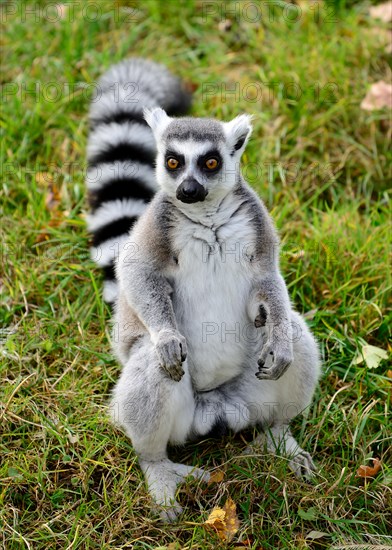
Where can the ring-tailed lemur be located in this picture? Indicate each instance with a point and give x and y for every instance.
(205, 331)
(121, 153)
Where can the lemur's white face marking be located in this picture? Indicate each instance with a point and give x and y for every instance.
(198, 159)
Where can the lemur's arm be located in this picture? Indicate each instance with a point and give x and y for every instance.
(269, 306)
(269, 302)
(141, 271)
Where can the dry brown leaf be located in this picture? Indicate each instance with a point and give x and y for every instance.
(216, 477)
(43, 235)
(369, 471)
(224, 521)
(190, 86)
(382, 11)
(379, 96)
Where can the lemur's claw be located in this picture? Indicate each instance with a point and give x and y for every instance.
(175, 373)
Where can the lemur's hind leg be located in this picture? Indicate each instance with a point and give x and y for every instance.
(219, 410)
(154, 410)
(279, 441)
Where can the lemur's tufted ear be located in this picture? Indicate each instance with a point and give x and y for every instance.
(237, 133)
(157, 119)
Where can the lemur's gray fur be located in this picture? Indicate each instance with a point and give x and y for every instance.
(205, 331)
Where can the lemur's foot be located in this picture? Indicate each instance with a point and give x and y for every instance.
(303, 466)
(163, 477)
(279, 441)
(169, 513)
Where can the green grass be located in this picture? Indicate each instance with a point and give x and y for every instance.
(322, 165)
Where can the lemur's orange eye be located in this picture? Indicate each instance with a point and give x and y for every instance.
(211, 164)
(172, 163)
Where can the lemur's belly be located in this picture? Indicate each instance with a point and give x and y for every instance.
(211, 293)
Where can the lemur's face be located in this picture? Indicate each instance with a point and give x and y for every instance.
(198, 159)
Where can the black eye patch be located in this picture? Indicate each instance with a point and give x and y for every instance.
(173, 155)
(213, 154)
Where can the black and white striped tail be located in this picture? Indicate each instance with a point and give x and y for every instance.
(121, 154)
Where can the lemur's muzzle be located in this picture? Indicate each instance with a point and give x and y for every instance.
(190, 191)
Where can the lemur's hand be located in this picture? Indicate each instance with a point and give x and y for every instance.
(171, 351)
(276, 355)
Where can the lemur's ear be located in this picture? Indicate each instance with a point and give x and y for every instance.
(237, 133)
(157, 119)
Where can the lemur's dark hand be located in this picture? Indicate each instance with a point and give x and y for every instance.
(171, 351)
(261, 317)
(276, 356)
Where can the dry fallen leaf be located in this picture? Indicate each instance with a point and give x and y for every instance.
(216, 477)
(369, 471)
(372, 355)
(224, 521)
(378, 97)
(43, 235)
(382, 11)
(190, 87)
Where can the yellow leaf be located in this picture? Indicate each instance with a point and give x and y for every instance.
(224, 521)
(216, 477)
(372, 355)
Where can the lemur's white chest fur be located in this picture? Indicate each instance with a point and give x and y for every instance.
(212, 283)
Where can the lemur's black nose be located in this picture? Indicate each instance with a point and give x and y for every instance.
(190, 191)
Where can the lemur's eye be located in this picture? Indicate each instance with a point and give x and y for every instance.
(211, 163)
(172, 163)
